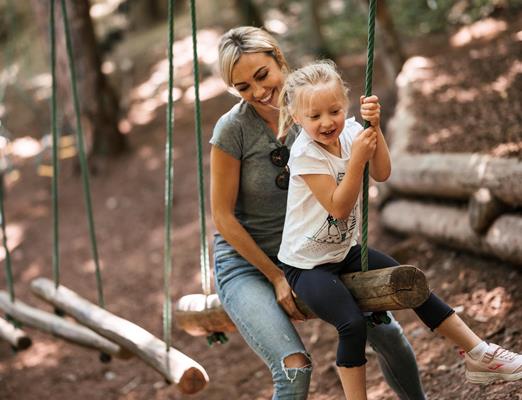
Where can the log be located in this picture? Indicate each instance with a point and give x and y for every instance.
(176, 367)
(483, 209)
(16, 337)
(457, 176)
(385, 289)
(450, 225)
(59, 327)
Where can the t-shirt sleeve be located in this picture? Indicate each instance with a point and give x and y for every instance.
(308, 161)
(352, 130)
(227, 136)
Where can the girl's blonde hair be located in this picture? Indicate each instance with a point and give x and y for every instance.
(291, 96)
(246, 39)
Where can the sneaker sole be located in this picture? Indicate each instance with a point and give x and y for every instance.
(488, 377)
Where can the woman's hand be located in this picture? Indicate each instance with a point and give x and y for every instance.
(285, 299)
(371, 110)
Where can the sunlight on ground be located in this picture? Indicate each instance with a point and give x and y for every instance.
(415, 68)
(15, 235)
(484, 29)
(31, 272)
(41, 354)
(25, 147)
(209, 88)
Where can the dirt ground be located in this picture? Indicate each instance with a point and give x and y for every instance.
(128, 204)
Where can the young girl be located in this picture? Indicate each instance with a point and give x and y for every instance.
(322, 219)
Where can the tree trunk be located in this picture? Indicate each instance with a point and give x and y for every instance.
(450, 225)
(314, 34)
(98, 103)
(250, 13)
(457, 176)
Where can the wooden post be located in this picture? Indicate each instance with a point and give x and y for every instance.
(176, 367)
(384, 289)
(59, 327)
(14, 336)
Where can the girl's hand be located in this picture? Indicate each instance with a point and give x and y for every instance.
(364, 145)
(371, 110)
(285, 299)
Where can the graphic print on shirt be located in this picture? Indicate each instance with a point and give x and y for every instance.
(336, 231)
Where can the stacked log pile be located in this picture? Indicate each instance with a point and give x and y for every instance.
(465, 200)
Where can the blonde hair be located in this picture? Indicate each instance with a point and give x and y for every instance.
(246, 39)
(291, 96)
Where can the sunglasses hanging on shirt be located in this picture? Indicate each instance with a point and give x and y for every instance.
(279, 157)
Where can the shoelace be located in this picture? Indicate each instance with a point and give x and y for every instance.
(504, 354)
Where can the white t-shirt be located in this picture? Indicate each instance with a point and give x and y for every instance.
(311, 236)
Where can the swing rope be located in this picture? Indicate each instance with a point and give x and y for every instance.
(204, 257)
(367, 92)
(82, 157)
(169, 176)
(54, 130)
(8, 265)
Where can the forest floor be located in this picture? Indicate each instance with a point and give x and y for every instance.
(128, 203)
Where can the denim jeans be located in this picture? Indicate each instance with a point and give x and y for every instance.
(249, 299)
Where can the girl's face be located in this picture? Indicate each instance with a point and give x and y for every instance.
(321, 111)
(258, 79)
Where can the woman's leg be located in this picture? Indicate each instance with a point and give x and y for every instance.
(249, 300)
(325, 294)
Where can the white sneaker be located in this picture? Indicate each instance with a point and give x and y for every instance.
(496, 364)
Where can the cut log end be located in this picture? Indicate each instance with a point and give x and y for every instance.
(414, 293)
(24, 343)
(192, 381)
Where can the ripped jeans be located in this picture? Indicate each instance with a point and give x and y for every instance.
(248, 298)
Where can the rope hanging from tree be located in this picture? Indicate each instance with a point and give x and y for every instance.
(367, 93)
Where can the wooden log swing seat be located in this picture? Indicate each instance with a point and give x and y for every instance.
(16, 337)
(110, 334)
(381, 290)
(59, 327)
(176, 367)
(393, 288)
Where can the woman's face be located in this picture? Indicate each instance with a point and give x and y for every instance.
(258, 79)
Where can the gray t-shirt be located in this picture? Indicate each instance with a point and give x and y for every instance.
(261, 205)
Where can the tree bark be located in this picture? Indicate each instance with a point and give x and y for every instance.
(450, 226)
(99, 106)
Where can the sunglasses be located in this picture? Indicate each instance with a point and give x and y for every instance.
(279, 157)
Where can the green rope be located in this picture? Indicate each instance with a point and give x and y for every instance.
(83, 159)
(54, 130)
(169, 176)
(8, 266)
(367, 92)
(204, 258)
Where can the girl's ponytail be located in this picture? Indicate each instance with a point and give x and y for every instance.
(285, 117)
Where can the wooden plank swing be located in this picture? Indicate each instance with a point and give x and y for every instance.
(380, 290)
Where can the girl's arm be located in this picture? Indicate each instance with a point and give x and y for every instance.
(380, 164)
(339, 200)
(224, 185)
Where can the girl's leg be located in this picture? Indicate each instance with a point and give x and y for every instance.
(325, 294)
(394, 352)
(249, 300)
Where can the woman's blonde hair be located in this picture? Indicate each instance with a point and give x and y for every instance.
(290, 98)
(246, 39)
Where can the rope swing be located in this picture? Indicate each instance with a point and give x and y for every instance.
(378, 291)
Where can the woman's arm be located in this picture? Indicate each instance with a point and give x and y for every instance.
(224, 186)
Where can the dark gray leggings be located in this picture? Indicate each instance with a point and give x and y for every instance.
(322, 290)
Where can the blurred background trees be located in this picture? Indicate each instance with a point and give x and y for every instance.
(307, 29)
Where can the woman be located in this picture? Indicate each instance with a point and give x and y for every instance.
(249, 181)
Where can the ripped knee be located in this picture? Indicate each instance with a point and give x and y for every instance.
(297, 360)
